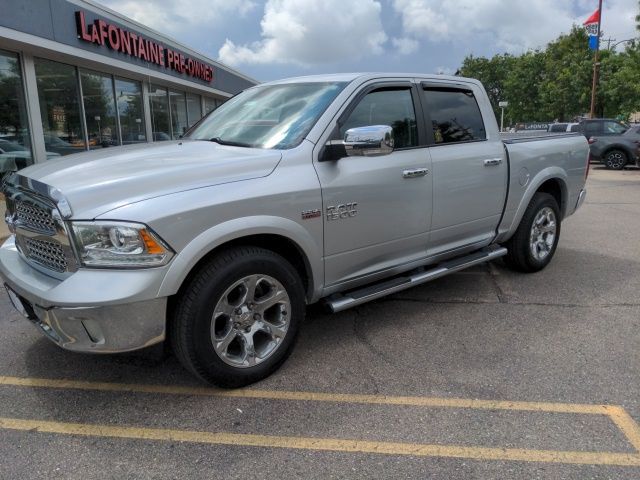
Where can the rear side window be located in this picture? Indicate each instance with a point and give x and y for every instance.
(593, 128)
(392, 107)
(455, 115)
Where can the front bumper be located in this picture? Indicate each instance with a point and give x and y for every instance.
(101, 311)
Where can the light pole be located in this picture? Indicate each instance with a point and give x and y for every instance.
(612, 47)
(596, 64)
(502, 105)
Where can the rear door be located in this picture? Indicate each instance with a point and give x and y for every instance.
(377, 209)
(470, 170)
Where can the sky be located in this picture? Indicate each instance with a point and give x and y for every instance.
(273, 39)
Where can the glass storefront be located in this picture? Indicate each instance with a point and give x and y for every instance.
(194, 108)
(159, 102)
(129, 101)
(178, 105)
(84, 110)
(210, 104)
(99, 109)
(59, 107)
(15, 150)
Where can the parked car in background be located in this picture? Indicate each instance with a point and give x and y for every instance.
(616, 151)
(598, 127)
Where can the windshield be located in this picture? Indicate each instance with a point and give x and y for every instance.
(272, 116)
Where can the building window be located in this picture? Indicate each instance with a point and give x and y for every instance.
(210, 104)
(178, 104)
(15, 150)
(194, 108)
(159, 113)
(129, 101)
(59, 107)
(100, 109)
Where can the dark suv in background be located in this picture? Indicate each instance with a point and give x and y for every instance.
(612, 143)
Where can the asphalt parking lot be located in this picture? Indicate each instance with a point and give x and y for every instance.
(484, 374)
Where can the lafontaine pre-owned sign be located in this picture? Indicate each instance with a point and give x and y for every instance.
(103, 33)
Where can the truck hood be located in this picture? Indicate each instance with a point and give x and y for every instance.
(96, 182)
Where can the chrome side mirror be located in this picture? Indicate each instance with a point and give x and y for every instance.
(370, 141)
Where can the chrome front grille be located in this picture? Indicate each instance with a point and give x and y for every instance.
(35, 218)
(41, 234)
(49, 254)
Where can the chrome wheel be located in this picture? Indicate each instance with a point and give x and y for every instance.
(543, 233)
(250, 321)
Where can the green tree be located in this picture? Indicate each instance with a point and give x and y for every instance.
(493, 73)
(566, 89)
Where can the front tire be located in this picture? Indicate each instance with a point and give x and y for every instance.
(533, 245)
(615, 159)
(237, 319)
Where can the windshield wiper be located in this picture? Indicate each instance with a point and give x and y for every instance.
(229, 142)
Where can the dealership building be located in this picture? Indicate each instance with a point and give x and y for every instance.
(75, 76)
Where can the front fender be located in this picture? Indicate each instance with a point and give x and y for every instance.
(237, 228)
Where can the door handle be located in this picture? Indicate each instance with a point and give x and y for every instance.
(417, 172)
(490, 162)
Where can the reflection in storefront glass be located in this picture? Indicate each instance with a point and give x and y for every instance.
(159, 113)
(59, 107)
(99, 109)
(178, 113)
(15, 151)
(194, 108)
(210, 104)
(129, 98)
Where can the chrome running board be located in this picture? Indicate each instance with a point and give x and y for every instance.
(342, 301)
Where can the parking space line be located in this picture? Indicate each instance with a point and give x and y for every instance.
(309, 396)
(626, 424)
(618, 415)
(323, 444)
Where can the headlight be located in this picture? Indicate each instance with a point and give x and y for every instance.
(119, 244)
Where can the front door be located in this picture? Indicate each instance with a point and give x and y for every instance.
(377, 209)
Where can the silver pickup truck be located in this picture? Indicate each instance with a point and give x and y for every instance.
(337, 188)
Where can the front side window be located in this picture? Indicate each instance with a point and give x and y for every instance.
(614, 128)
(270, 116)
(59, 107)
(455, 115)
(387, 106)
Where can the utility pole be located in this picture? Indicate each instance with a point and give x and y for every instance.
(596, 65)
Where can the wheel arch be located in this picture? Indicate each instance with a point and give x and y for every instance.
(552, 180)
(280, 235)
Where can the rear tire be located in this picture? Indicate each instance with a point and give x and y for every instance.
(237, 319)
(533, 245)
(615, 159)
